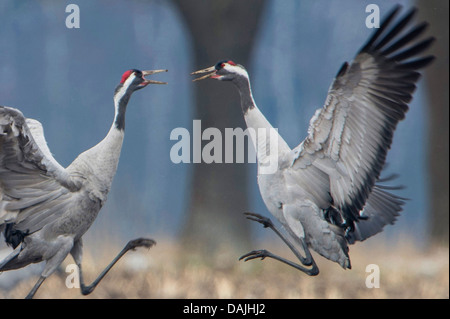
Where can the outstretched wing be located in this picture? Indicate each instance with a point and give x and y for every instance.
(30, 178)
(350, 136)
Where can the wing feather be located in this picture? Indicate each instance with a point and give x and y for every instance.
(350, 136)
(32, 182)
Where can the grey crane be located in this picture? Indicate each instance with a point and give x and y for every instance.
(45, 209)
(326, 192)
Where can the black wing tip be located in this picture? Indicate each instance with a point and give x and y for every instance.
(386, 21)
(383, 36)
(415, 50)
(394, 11)
(419, 63)
(398, 47)
(342, 70)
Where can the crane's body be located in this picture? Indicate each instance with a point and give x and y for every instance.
(63, 214)
(291, 198)
(45, 209)
(326, 192)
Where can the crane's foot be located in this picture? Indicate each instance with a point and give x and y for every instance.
(313, 271)
(256, 254)
(266, 222)
(131, 245)
(140, 242)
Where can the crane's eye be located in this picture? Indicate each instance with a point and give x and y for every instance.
(220, 65)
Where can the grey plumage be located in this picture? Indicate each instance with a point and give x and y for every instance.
(326, 191)
(45, 209)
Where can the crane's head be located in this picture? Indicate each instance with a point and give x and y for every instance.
(223, 71)
(133, 80)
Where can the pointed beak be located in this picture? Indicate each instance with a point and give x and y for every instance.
(150, 72)
(211, 71)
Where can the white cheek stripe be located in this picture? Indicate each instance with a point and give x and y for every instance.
(236, 69)
(123, 90)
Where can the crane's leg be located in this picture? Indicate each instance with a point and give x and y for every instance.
(10, 258)
(267, 223)
(308, 260)
(35, 288)
(131, 245)
(63, 245)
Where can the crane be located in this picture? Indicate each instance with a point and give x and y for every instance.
(327, 192)
(45, 209)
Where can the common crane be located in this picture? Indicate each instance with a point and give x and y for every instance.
(326, 191)
(45, 209)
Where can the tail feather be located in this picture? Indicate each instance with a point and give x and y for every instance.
(381, 208)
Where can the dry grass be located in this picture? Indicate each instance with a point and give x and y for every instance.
(163, 272)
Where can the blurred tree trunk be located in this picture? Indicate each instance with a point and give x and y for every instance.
(220, 30)
(436, 12)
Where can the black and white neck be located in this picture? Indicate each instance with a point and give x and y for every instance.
(104, 156)
(266, 140)
(227, 70)
(243, 85)
(122, 96)
(238, 75)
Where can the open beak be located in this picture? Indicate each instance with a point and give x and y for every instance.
(210, 72)
(146, 81)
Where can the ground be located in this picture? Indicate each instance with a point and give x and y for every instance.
(405, 271)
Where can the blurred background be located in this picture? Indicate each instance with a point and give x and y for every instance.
(65, 78)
